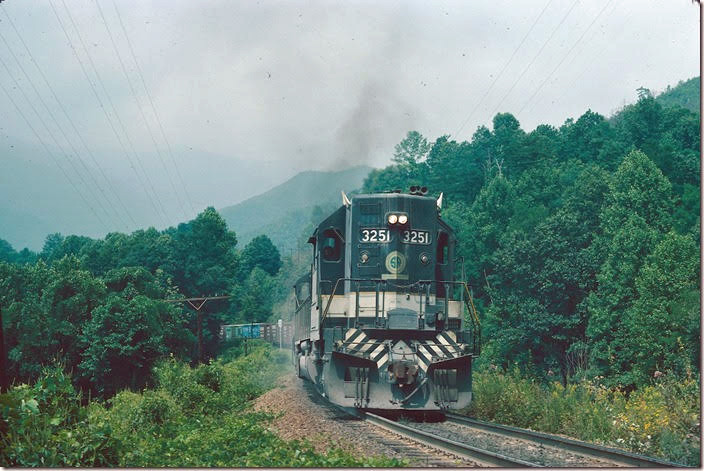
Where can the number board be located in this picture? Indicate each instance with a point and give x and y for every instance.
(370, 234)
(414, 236)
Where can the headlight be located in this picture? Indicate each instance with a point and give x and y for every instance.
(393, 219)
(402, 219)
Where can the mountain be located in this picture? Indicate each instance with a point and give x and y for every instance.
(37, 197)
(685, 94)
(283, 212)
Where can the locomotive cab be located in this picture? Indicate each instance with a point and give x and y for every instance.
(387, 325)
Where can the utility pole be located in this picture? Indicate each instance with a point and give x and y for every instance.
(197, 304)
(281, 333)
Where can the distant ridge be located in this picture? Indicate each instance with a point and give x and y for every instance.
(283, 212)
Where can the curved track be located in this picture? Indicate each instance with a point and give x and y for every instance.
(427, 434)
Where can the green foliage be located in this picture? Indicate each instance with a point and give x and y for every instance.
(658, 420)
(45, 425)
(261, 253)
(195, 417)
(685, 94)
(555, 227)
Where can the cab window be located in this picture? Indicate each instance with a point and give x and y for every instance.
(331, 246)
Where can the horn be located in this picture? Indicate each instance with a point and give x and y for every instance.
(423, 190)
(439, 201)
(414, 189)
(345, 200)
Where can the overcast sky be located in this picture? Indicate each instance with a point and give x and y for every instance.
(321, 84)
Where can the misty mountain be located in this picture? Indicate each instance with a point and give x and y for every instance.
(38, 198)
(283, 212)
(684, 94)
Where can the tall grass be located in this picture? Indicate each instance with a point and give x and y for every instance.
(661, 419)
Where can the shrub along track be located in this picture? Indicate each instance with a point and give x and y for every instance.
(529, 448)
(456, 442)
(577, 453)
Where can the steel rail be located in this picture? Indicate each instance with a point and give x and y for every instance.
(582, 448)
(484, 457)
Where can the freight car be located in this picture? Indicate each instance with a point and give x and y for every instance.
(381, 321)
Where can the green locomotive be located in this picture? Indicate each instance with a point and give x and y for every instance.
(381, 322)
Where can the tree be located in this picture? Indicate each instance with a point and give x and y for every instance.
(45, 322)
(260, 252)
(411, 151)
(637, 213)
(252, 300)
(661, 330)
(129, 331)
(205, 260)
(7, 253)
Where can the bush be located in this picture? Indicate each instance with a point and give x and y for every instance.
(195, 417)
(659, 420)
(46, 425)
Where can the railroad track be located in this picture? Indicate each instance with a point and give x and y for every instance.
(590, 450)
(478, 455)
(427, 434)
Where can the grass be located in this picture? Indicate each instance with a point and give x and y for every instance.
(661, 419)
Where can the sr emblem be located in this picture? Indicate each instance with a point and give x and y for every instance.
(395, 262)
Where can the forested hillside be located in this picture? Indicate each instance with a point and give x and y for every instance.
(685, 94)
(581, 242)
(282, 212)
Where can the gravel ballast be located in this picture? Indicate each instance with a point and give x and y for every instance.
(304, 414)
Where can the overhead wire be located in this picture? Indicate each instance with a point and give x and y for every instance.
(45, 146)
(139, 106)
(114, 111)
(77, 154)
(102, 107)
(599, 53)
(46, 127)
(154, 108)
(542, 84)
(545, 43)
(110, 186)
(503, 69)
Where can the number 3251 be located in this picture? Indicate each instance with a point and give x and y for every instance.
(416, 237)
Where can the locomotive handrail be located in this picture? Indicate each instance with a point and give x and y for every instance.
(468, 301)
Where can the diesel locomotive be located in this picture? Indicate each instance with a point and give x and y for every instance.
(381, 321)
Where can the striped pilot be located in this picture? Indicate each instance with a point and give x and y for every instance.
(380, 321)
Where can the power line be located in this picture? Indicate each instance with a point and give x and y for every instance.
(476, 107)
(48, 151)
(518, 79)
(73, 126)
(65, 136)
(56, 142)
(565, 56)
(46, 127)
(599, 53)
(154, 109)
(114, 110)
(102, 107)
(139, 106)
